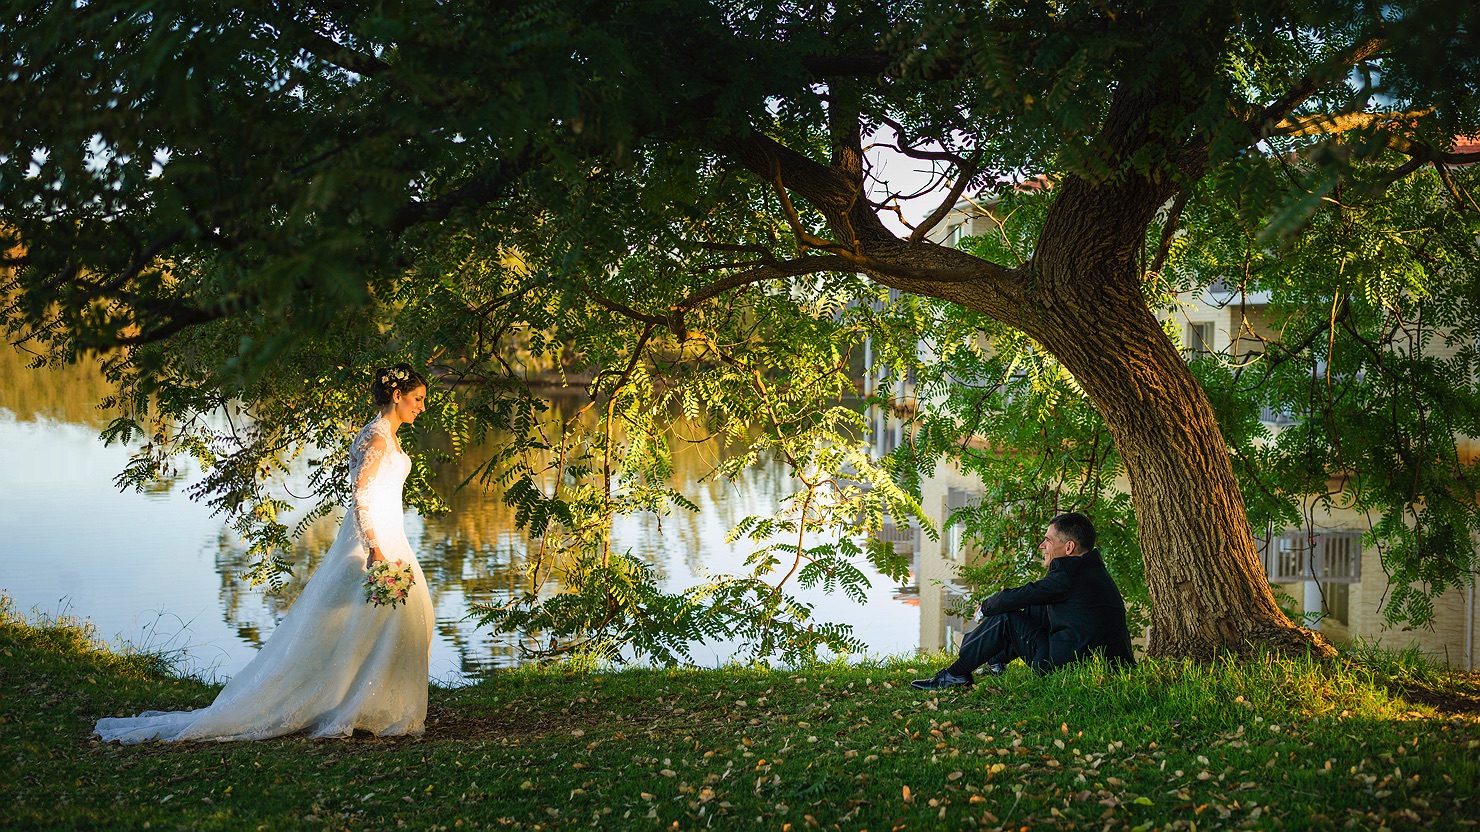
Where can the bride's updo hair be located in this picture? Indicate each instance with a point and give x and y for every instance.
(388, 380)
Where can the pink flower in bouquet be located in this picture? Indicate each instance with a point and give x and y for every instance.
(389, 583)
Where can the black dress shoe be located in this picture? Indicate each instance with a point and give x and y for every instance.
(941, 681)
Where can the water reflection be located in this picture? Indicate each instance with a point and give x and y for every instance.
(65, 394)
(158, 569)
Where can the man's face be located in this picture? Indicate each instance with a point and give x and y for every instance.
(1054, 546)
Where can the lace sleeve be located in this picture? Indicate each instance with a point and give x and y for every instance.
(365, 456)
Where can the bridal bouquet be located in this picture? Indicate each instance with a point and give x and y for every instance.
(387, 583)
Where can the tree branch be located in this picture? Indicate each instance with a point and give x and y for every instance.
(479, 190)
(863, 64)
(833, 192)
(503, 300)
(771, 271)
(1338, 316)
(143, 259)
(624, 310)
(333, 52)
(805, 239)
(1397, 173)
(844, 130)
(674, 320)
(1327, 123)
(1454, 190)
(642, 340)
(322, 47)
(183, 318)
(967, 170)
(905, 146)
(1262, 124)
(1418, 154)
(920, 280)
(1168, 232)
(921, 268)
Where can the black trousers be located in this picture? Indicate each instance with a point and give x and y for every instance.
(998, 639)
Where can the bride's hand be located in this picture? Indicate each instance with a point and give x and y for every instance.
(374, 558)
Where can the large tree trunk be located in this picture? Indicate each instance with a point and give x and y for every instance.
(1209, 593)
(1081, 299)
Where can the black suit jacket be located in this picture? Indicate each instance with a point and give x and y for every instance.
(1083, 607)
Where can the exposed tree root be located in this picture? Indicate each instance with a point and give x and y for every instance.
(1259, 636)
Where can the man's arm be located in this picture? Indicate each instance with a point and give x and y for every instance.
(1050, 589)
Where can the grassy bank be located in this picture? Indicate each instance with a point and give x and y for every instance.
(1171, 746)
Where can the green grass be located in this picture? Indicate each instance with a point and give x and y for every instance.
(1230, 746)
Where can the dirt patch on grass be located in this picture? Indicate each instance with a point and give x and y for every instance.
(1461, 697)
(445, 723)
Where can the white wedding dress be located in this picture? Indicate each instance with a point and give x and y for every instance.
(336, 664)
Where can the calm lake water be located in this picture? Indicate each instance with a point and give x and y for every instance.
(157, 570)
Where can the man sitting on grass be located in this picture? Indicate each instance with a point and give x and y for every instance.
(1073, 611)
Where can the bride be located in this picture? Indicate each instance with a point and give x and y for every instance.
(336, 664)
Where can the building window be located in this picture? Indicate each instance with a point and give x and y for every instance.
(1199, 338)
(953, 542)
(955, 537)
(1337, 602)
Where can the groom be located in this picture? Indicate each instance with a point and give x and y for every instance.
(1073, 611)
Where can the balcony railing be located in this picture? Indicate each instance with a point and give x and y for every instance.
(903, 538)
(1329, 557)
(1272, 416)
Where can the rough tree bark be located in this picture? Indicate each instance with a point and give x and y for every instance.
(1080, 298)
(1207, 587)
